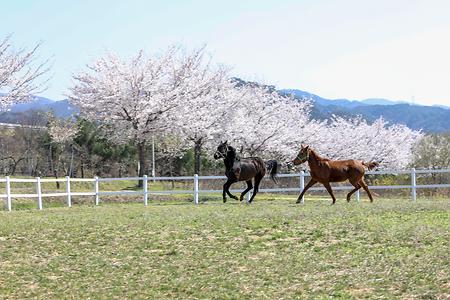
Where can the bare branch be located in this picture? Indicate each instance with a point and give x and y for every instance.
(20, 76)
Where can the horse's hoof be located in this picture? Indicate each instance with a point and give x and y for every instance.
(241, 198)
(298, 202)
(224, 200)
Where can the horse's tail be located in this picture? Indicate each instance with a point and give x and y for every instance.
(272, 166)
(370, 165)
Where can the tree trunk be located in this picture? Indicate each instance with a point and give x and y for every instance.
(197, 156)
(52, 167)
(50, 159)
(30, 164)
(171, 172)
(71, 161)
(13, 166)
(55, 174)
(35, 172)
(82, 167)
(141, 147)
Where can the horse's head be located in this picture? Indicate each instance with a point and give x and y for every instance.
(302, 156)
(221, 151)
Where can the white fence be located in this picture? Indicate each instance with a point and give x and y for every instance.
(11, 126)
(96, 193)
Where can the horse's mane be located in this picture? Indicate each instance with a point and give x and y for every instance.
(318, 157)
(232, 153)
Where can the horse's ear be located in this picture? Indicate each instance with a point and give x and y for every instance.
(302, 146)
(225, 142)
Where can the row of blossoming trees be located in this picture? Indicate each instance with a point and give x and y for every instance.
(184, 95)
(185, 101)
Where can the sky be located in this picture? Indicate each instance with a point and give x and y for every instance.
(355, 49)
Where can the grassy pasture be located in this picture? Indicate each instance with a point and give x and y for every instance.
(270, 249)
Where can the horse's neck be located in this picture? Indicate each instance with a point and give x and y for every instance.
(231, 158)
(314, 160)
(228, 163)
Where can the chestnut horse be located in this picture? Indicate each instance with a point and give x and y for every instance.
(243, 169)
(325, 170)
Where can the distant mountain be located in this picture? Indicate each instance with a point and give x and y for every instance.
(63, 109)
(21, 113)
(428, 118)
(322, 101)
(37, 103)
(433, 119)
(441, 106)
(240, 82)
(381, 101)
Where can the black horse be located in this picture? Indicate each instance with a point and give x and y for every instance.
(243, 169)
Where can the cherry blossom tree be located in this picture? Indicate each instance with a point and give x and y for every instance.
(388, 144)
(20, 75)
(265, 122)
(129, 97)
(62, 130)
(146, 96)
(433, 152)
(201, 119)
(170, 149)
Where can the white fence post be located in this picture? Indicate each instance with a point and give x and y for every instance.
(248, 195)
(195, 188)
(97, 198)
(145, 190)
(357, 196)
(302, 185)
(69, 197)
(413, 184)
(8, 194)
(39, 192)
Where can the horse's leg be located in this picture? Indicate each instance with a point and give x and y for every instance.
(308, 185)
(224, 192)
(255, 190)
(357, 187)
(249, 187)
(228, 191)
(226, 186)
(366, 188)
(330, 191)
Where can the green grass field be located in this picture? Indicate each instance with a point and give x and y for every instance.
(270, 249)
